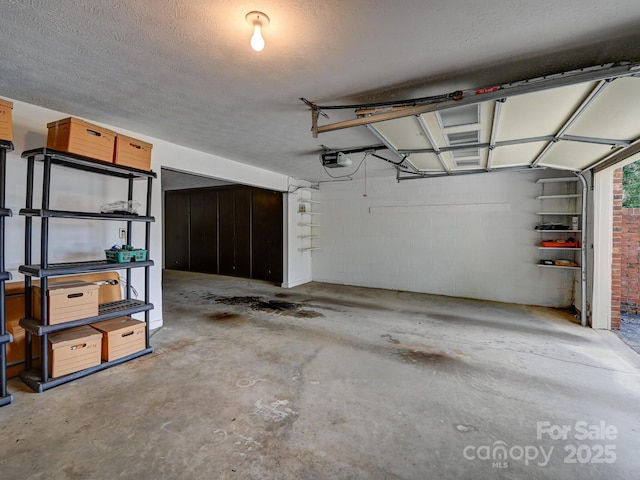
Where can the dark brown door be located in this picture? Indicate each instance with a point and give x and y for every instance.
(243, 233)
(176, 230)
(229, 230)
(267, 235)
(226, 224)
(234, 207)
(203, 255)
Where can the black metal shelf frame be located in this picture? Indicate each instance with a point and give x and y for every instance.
(32, 212)
(106, 311)
(5, 337)
(33, 379)
(70, 268)
(79, 162)
(40, 380)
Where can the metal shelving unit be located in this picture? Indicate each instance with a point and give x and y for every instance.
(5, 337)
(308, 221)
(39, 379)
(567, 203)
(568, 196)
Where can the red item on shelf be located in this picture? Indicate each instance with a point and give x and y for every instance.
(559, 244)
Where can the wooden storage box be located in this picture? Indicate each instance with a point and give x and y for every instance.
(121, 336)
(131, 152)
(6, 121)
(73, 350)
(68, 301)
(73, 135)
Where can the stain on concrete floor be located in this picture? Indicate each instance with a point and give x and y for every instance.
(224, 316)
(270, 306)
(422, 354)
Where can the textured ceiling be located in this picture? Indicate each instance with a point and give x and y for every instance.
(182, 70)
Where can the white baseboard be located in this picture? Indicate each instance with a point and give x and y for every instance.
(295, 283)
(155, 323)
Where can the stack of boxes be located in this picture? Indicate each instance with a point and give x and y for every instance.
(86, 346)
(78, 137)
(77, 348)
(82, 347)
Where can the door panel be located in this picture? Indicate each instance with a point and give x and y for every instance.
(267, 235)
(243, 233)
(176, 230)
(204, 231)
(226, 220)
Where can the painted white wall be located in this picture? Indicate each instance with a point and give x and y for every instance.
(298, 260)
(74, 240)
(468, 236)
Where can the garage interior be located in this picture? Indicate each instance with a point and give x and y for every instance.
(365, 264)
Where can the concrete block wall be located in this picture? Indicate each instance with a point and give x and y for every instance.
(466, 236)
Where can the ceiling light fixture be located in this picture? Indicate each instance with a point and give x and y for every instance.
(257, 20)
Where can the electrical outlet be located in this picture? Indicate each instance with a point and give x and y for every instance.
(123, 233)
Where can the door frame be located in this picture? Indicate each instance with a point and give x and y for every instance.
(603, 243)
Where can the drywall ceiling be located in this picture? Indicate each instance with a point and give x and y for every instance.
(182, 70)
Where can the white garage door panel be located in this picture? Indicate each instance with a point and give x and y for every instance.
(541, 113)
(514, 155)
(614, 114)
(403, 133)
(575, 127)
(574, 155)
(464, 161)
(425, 161)
(439, 133)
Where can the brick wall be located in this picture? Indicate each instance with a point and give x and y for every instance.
(625, 268)
(630, 261)
(616, 261)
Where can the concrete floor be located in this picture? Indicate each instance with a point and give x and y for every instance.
(630, 330)
(251, 381)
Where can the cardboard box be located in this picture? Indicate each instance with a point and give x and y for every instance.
(73, 135)
(73, 350)
(6, 121)
(121, 336)
(131, 152)
(14, 309)
(68, 301)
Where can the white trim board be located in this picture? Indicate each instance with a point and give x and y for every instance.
(603, 244)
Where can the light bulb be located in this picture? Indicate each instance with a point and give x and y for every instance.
(257, 20)
(257, 42)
